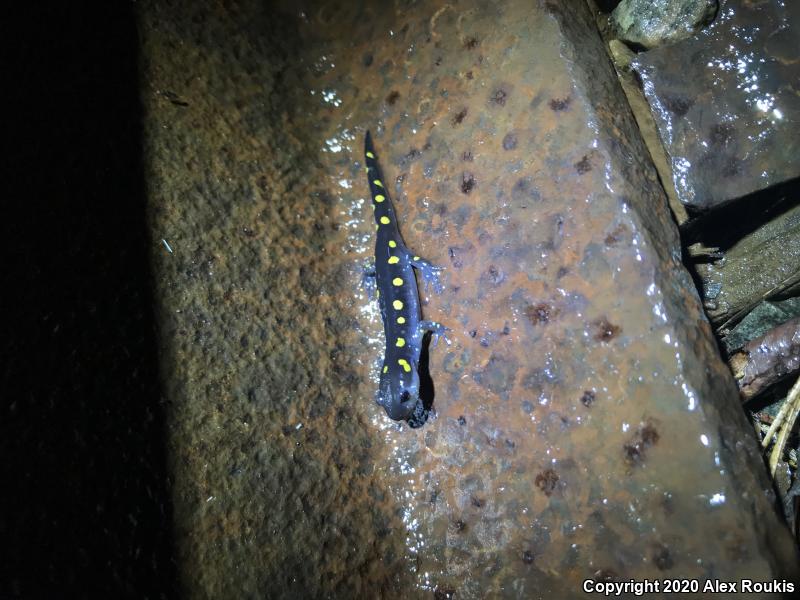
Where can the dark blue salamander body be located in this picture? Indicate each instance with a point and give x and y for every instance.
(398, 297)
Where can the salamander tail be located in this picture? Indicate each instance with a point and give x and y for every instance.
(368, 147)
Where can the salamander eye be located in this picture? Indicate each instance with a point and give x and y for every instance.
(404, 396)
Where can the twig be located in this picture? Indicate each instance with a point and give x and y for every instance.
(792, 406)
(767, 359)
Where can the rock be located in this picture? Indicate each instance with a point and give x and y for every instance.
(760, 320)
(584, 423)
(761, 265)
(727, 103)
(651, 23)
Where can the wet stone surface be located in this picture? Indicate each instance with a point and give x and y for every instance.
(584, 425)
(763, 264)
(651, 23)
(727, 103)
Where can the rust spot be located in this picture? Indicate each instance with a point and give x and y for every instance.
(720, 134)
(471, 43)
(174, 99)
(645, 437)
(467, 182)
(616, 235)
(496, 276)
(588, 398)
(677, 105)
(469, 75)
(392, 97)
(509, 141)
(459, 118)
(455, 260)
(540, 313)
(459, 526)
(547, 481)
(604, 330)
(559, 104)
(499, 97)
(524, 191)
(527, 557)
(649, 434)
(584, 165)
(662, 557)
(412, 154)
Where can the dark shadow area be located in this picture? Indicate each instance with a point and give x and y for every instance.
(426, 390)
(85, 507)
(725, 225)
(607, 6)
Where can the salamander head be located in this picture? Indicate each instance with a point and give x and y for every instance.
(399, 394)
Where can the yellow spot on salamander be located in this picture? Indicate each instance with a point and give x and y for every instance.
(401, 320)
(378, 183)
(385, 220)
(393, 260)
(397, 281)
(400, 342)
(404, 363)
(370, 155)
(379, 198)
(378, 293)
(416, 258)
(385, 368)
(392, 244)
(366, 169)
(397, 304)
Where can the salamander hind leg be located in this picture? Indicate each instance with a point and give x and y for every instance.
(430, 273)
(437, 329)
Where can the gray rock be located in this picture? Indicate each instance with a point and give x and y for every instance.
(726, 103)
(652, 23)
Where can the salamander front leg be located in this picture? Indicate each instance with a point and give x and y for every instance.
(430, 273)
(437, 329)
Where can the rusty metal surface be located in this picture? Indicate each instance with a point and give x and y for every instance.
(585, 426)
(727, 102)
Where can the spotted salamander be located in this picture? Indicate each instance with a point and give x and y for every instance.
(398, 297)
